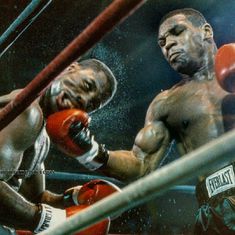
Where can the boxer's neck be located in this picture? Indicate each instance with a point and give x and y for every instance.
(206, 71)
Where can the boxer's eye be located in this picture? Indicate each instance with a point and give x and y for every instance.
(88, 85)
(72, 67)
(178, 30)
(161, 42)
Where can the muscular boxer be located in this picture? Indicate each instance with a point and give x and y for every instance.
(24, 144)
(193, 112)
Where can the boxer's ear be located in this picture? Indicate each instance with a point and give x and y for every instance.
(207, 31)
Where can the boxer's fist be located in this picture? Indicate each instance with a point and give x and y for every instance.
(225, 67)
(67, 124)
(100, 228)
(89, 193)
(81, 136)
(94, 155)
(96, 190)
(68, 129)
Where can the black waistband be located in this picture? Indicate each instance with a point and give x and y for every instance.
(220, 180)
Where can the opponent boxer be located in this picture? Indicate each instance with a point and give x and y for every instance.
(193, 112)
(24, 144)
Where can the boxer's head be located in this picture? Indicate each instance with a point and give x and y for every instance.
(86, 85)
(186, 39)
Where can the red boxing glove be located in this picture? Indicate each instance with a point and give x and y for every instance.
(58, 126)
(95, 190)
(225, 67)
(100, 228)
(89, 193)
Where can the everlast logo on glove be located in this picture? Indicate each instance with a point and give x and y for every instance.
(220, 181)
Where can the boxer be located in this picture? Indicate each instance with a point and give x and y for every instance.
(195, 111)
(25, 203)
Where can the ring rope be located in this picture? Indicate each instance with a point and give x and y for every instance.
(21, 23)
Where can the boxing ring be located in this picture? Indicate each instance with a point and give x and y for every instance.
(216, 153)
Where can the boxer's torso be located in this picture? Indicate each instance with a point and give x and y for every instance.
(195, 112)
(19, 136)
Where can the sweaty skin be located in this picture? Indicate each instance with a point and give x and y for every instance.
(193, 112)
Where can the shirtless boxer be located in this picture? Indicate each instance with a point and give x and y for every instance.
(193, 112)
(24, 144)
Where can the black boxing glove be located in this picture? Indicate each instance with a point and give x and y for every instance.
(95, 155)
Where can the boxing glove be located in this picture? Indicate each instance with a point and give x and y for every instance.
(58, 126)
(225, 67)
(69, 130)
(90, 193)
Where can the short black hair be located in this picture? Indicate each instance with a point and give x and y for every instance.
(99, 66)
(194, 16)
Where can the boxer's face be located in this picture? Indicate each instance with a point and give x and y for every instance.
(78, 87)
(181, 43)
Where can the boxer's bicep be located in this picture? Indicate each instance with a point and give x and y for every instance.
(149, 148)
(151, 144)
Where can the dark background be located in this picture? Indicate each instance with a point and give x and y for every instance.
(132, 53)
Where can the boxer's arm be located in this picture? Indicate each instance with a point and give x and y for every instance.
(33, 189)
(69, 130)
(150, 146)
(5, 99)
(15, 211)
(148, 150)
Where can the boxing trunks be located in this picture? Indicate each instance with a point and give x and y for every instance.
(216, 198)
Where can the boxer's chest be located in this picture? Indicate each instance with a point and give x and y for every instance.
(195, 107)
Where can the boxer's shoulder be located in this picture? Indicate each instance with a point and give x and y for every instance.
(158, 108)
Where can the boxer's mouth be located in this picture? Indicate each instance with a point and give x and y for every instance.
(174, 55)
